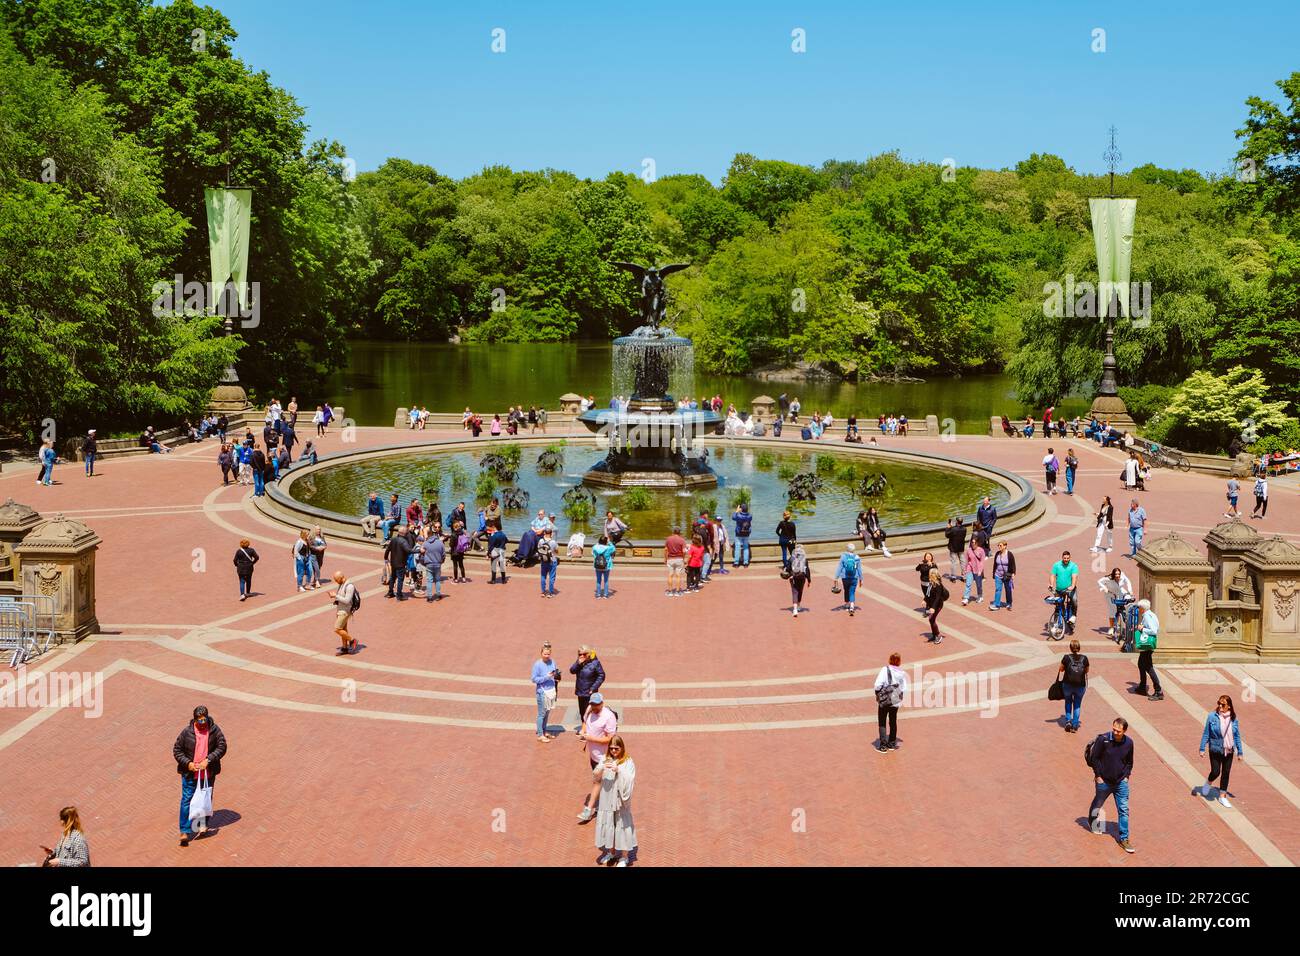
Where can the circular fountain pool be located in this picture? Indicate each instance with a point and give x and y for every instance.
(919, 491)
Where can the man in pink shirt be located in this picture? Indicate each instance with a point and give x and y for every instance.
(675, 558)
(598, 727)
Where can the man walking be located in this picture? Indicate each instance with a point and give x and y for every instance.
(344, 598)
(1051, 465)
(1261, 497)
(1234, 492)
(1137, 523)
(987, 515)
(548, 561)
(1110, 756)
(398, 550)
(598, 726)
(89, 450)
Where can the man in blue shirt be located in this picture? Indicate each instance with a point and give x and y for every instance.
(1064, 578)
(744, 521)
(1137, 523)
(987, 515)
(374, 515)
(1111, 759)
(394, 516)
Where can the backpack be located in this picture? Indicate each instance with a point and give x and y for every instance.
(854, 568)
(1075, 668)
(601, 562)
(356, 599)
(1090, 747)
(889, 695)
(798, 563)
(462, 543)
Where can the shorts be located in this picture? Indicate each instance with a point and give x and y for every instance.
(676, 564)
(341, 620)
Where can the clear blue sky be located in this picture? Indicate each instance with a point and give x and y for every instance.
(595, 87)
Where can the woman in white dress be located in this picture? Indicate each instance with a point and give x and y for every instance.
(615, 832)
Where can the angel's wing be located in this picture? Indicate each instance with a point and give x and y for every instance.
(675, 267)
(632, 267)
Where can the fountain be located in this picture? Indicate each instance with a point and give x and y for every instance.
(651, 442)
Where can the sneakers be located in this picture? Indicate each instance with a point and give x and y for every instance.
(622, 861)
(1223, 801)
(1110, 632)
(1156, 696)
(1097, 824)
(794, 612)
(964, 602)
(1073, 619)
(585, 815)
(605, 859)
(979, 600)
(1127, 847)
(852, 610)
(882, 747)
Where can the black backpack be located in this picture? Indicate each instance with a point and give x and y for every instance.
(356, 599)
(1092, 746)
(1075, 668)
(601, 562)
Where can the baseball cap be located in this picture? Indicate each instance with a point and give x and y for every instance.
(597, 698)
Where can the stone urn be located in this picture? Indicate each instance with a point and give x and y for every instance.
(571, 403)
(57, 561)
(763, 408)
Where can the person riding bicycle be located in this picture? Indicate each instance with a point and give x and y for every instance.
(1119, 591)
(1064, 581)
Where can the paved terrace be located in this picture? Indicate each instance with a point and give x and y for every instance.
(751, 730)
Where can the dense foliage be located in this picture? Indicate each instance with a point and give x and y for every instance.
(881, 266)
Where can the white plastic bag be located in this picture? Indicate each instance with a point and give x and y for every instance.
(201, 802)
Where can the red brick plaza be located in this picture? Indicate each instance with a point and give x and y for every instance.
(752, 731)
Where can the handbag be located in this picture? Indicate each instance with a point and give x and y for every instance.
(835, 587)
(201, 802)
(1144, 640)
(889, 695)
(1056, 691)
(548, 698)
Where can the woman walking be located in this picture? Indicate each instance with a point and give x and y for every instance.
(1105, 526)
(924, 568)
(198, 751)
(1004, 576)
(1071, 466)
(1261, 495)
(934, 602)
(318, 419)
(799, 575)
(615, 831)
(974, 565)
(1073, 675)
(302, 559)
(245, 557)
(226, 462)
(891, 688)
(602, 560)
(849, 574)
(1224, 738)
(545, 675)
(588, 676)
(71, 850)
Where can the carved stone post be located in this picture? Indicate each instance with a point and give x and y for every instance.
(58, 562)
(1176, 580)
(15, 522)
(1232, 610)
(764, 409)
(1275, 567)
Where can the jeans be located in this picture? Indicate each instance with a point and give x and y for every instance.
(1069, 481)
(90, 462)
(190, 783)
(246, 584)
(302, 565)
(548, 569)
(976, 581)
(1073, 703)
(602, 583)
(389, 524)
(785, 552)
(1134, 541)
(432, 580)
(850, 589)
(48, 474)
(396, 578)
(708, 564)
(313, 569)
(741, 551)
(1120, 790)
(1001, 585)
(542, 712)
(259, 483)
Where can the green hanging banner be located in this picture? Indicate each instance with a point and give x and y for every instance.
(229, 212)
(1112, 234)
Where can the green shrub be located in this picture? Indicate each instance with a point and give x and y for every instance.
(826, 464)
(579, 510)
(486, 484)
(637, 499)
(707, 503)
(1144, 402)
(787, 470)
(765, 460)
(848, 471)
(460, 476)
(1286, 439)
(512, 453)
(741, 495)
(431, 481)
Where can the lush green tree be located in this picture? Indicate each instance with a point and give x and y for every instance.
(1208, 411)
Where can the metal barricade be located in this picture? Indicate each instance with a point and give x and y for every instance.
(43, 621)
(18, 630)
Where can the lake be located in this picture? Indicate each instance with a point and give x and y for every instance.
(381, 376)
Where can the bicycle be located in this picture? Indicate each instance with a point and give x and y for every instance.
(1123, 623)
(1058, 624)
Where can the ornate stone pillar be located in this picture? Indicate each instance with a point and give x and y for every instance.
(58, 562)
(1275, 567)
(571, 403)
(1175, 578)
(15, 522)
(764, 409)
(1232, 610)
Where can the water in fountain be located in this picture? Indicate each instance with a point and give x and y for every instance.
(653, 358)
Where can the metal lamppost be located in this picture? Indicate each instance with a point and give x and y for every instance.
(1112, 230)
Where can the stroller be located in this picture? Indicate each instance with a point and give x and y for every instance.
(525, 555)
(576, 542)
